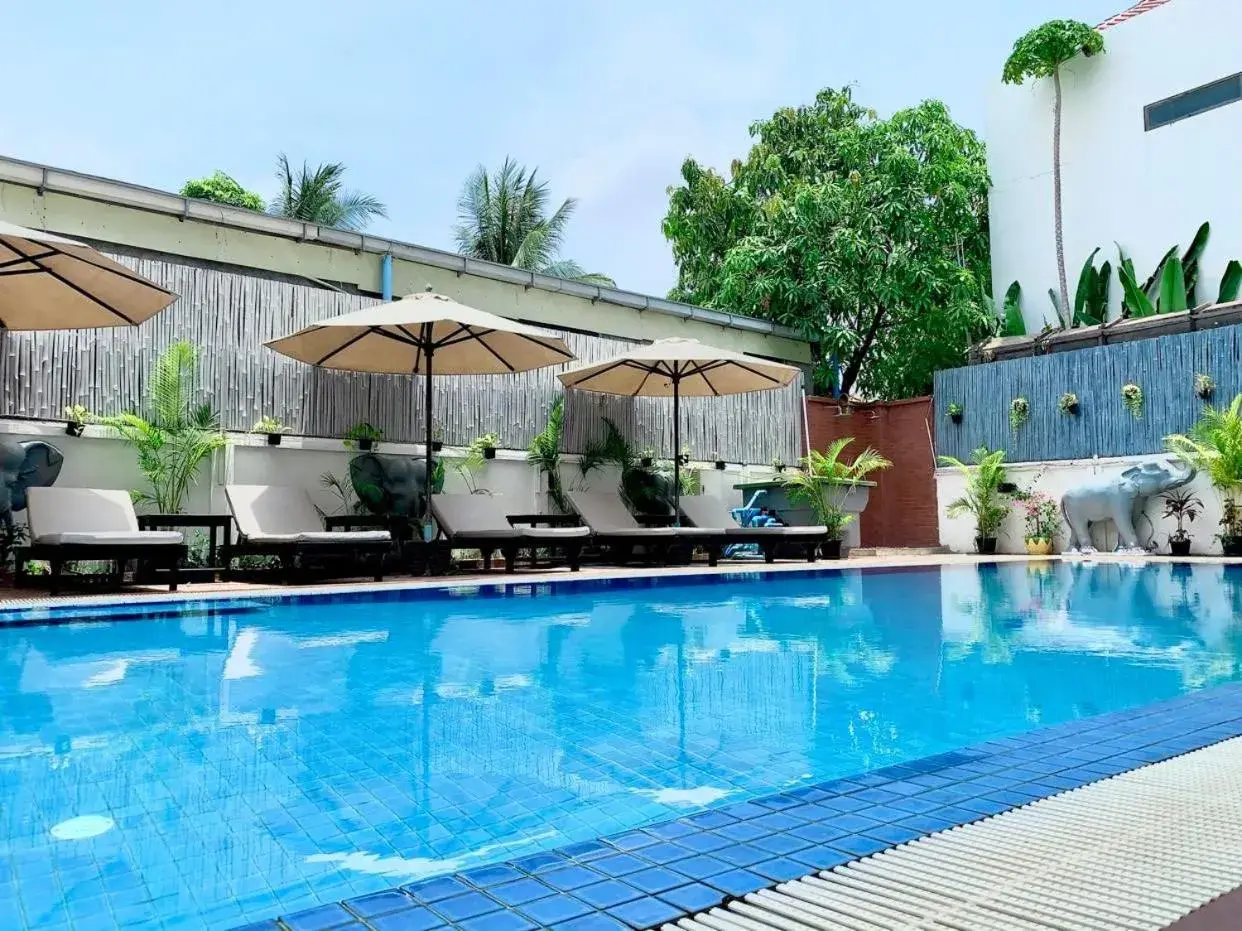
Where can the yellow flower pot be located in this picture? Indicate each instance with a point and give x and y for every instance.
(1039, 547)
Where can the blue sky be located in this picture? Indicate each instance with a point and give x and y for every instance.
(607, 99)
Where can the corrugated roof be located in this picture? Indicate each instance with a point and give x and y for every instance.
(1143, 6)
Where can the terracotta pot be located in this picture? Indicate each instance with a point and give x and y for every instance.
(1039, 547)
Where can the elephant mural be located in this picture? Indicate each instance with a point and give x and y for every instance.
(25, 465)
(1119, 498)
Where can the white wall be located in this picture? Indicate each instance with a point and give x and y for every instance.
(1055, 478)
(99, 460)
(1145, 190)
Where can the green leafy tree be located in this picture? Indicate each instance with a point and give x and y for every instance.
(1040, 54)
(172, 435)
(318, 196)
(220, 188)
(867, 235)
(503, 217)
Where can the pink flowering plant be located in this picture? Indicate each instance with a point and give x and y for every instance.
(1043, 516)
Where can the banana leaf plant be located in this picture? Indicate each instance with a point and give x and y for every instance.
(1013, 324)
(1231, 283)
(1091, 298)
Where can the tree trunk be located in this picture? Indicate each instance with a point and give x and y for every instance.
(1066, 310)
(850, 373)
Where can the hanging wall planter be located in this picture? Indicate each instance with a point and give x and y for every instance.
(1068, 404)
(954, 411)
(1205, 386)
(1132, 398)
(1019, 413)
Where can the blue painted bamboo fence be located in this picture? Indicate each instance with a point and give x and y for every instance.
(1164, 367)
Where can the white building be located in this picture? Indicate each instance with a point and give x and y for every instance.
(1150, 149)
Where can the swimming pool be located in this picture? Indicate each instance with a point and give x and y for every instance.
(205, 764)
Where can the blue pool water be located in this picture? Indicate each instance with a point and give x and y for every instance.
(190, 766)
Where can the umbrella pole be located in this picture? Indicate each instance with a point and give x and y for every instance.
(676, 451)
(427, 438)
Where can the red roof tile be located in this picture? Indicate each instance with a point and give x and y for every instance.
(1143, 6)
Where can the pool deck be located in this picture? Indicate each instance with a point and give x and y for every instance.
(664, 872)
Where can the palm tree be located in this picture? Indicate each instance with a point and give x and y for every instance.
(503, 218)
(1040, 54)
(317, 196)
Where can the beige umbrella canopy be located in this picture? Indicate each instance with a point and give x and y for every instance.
(424, 334)
(48, 282)
(676, 367)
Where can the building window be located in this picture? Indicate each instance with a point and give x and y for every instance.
(1192, 103)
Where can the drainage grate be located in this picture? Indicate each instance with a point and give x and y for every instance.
(1131, 853)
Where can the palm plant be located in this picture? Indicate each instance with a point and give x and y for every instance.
(544, 452)
(1214, 446)
(173, 435)
(318, 196)
(983, 499)
(504, 218)
(819, 483)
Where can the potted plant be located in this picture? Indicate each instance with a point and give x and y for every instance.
(1132, 398)
(1231, 529)
(954, 412)
(1181, 506)
(647, 458)
(486, 445)
(1043, 520)
(1019, 413)
(76, 417)
(824, 480)
(272, 427)
(1214, 446)
(778, 463)
(1205, 386)
(363, 436)
(982, 498)
(437, 438)
(720, 463)
(1068, 404)
(683, 457)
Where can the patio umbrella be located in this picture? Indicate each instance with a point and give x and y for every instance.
(48, 282)
(424, 334)
(676, 367)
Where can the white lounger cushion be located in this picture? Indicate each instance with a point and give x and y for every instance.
(88, 516)
(280, 514)
(485, 517)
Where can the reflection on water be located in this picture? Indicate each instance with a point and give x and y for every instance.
(237, 765)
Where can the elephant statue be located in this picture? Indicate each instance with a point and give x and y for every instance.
(391, 485)
(29, 464)
(1119, 498)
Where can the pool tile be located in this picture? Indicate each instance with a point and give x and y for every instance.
(702, 867)
(781, 843)
(711, 819)
(587, 851)
(670, 830)
(656, 880)
(703, 842)
(745, 810)
(893, 833)
(822, 858)
(486, 876)
(927, 824)
(775, 822)
(381, 903)
(645, 912)
(738, 882)
(619, 865)
(521, 891)
(498, 921)
(844, 803)
(741, 832)
(781, 869)
(592, 922)
(461, 907)
(742, 855)
(778, 802)
(608, 893)
(419, 918)
(541, 862)
(319, 919)
(556, 909)
(665, 853)
(632, 840)
(570, 878)
(859, 845)
(693, 898)
(818, 833)
(433, 890)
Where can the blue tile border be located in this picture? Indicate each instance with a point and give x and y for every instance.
(666, 871)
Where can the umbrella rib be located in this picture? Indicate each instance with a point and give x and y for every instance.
(414, 340)
(341, 348)
(120, 270)
(646, 375)
(539, 342)
(23, 260)
(454, 338)
(481, 340)
(757, 372)
(612, 366)
(69, 284)
(707, 381)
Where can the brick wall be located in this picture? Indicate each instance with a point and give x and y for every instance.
(902, 509)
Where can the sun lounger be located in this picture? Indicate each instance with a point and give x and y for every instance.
(80, 524)
(710, 512)
(614, 526)
(481, 522)
(280, 521)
